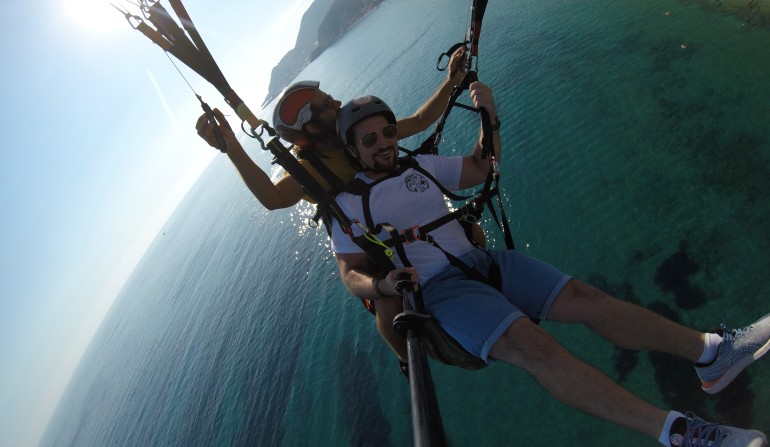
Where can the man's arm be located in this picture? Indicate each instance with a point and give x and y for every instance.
(475, 168)
(355, 274)
(283, 194)
(429, 112)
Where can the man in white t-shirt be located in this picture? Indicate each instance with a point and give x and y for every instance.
(490, 322)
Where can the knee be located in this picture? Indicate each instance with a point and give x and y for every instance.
(591, 299)
(389, 306)
(579, 290)
(386, 310)
(526, 345)
(478, 235)
(577, 302)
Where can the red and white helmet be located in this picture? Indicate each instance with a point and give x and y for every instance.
(292, 111)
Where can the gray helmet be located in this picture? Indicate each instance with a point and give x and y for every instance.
(292, 111)
(358, 109)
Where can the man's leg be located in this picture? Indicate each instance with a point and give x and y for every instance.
(386, 310)
(573, 381)
(624, 324)
(719, 357)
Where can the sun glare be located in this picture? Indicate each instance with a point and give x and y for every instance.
(93, 15)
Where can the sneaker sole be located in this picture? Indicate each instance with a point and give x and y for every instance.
(732, 372)
(760, 441)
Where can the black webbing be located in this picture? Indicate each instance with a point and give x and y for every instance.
(309, 184)
(335, 183)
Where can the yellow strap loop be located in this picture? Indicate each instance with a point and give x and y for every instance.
(373, 239)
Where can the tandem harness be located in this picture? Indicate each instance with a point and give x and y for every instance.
(439, 344)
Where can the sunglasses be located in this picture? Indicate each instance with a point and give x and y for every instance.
(370, 138)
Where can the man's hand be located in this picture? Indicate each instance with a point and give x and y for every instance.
(206, 130)
(388, 284)
(481, 95)
(475, 168)
(457, 65)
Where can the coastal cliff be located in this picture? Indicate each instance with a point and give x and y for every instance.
(324, 22)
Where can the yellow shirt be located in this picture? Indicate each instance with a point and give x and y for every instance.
(336, 161)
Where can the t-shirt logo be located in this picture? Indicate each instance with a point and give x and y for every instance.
(416, 183)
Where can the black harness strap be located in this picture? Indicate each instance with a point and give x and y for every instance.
(407, 237)
(469, 212)
(502, 223)
(335, 184)
(430, 145)
(359, 187)
(314, 158)
(410, 162)
(367, 209)
(310, 185)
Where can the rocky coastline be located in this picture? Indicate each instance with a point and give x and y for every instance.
(326, 21)
(322, 25)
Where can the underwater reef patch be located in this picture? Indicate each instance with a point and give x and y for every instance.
(673, 275)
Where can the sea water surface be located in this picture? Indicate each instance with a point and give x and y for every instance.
(636, 146)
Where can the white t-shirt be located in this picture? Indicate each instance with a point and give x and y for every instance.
(403, 202)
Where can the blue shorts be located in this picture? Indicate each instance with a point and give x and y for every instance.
(477, 314)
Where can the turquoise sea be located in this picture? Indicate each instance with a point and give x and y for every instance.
(636, 156)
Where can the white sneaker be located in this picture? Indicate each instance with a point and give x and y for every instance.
(739, 349)
(705, 434)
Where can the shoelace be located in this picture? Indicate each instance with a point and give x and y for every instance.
(732, 334)
(725, 333)
(702, 434)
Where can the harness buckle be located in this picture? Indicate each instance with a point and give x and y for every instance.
(470, 212)
(411, 234)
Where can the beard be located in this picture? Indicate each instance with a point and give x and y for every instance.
(326, 137)
(385, 166)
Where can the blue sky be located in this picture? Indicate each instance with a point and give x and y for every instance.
(99, 148)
